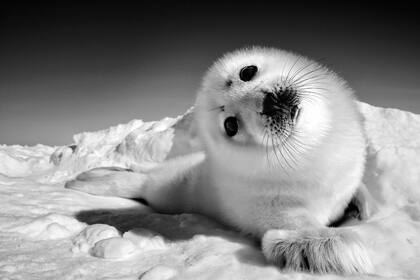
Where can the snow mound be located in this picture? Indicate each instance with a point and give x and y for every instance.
(113, 248)
(105, 241)
(92, 234)
(145, 239)
(20, 161)
(47, 231)
(51, 226)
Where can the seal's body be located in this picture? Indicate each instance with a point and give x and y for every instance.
(283, 155)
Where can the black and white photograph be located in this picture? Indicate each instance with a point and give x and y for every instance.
(160, 140)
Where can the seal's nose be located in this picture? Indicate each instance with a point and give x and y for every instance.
(270, 104)
(283, 102)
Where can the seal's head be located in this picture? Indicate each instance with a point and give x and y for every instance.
(266, 107)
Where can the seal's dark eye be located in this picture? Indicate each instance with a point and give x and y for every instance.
(248, 72)
(231, 126)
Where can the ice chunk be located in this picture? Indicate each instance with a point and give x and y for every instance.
(92, 234)
(113, 248)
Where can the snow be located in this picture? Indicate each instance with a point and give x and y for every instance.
(146, 239)
(50, 226)
(113, 248)
(92, 234)
(49, 232)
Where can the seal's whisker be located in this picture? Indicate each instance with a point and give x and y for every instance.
(315, 88)
(310, 96)
(291, 68)
(311, 80)
(285, 145)
(294, 161)
(290, 144)
(282, 80)
(279, 144)
(318, 68)
(275, 148)
(314, 78)
(301, 69)
(297, 142)
(287, 159)
(271, 166)
(311, 75)
(309, 92)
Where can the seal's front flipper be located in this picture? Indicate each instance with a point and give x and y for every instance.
(109, 181)
(322, 250)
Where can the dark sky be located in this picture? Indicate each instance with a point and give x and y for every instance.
(68, 67)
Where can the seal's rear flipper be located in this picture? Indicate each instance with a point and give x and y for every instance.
(109, 181)
(165, 188)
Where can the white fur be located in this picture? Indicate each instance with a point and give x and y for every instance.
(286, 196)
(258, 190)
(317, 251)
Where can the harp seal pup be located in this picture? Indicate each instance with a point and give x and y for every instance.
(284, 153)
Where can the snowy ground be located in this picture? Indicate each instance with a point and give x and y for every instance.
(48, 232)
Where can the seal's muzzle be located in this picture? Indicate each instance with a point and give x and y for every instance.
(283, 102)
